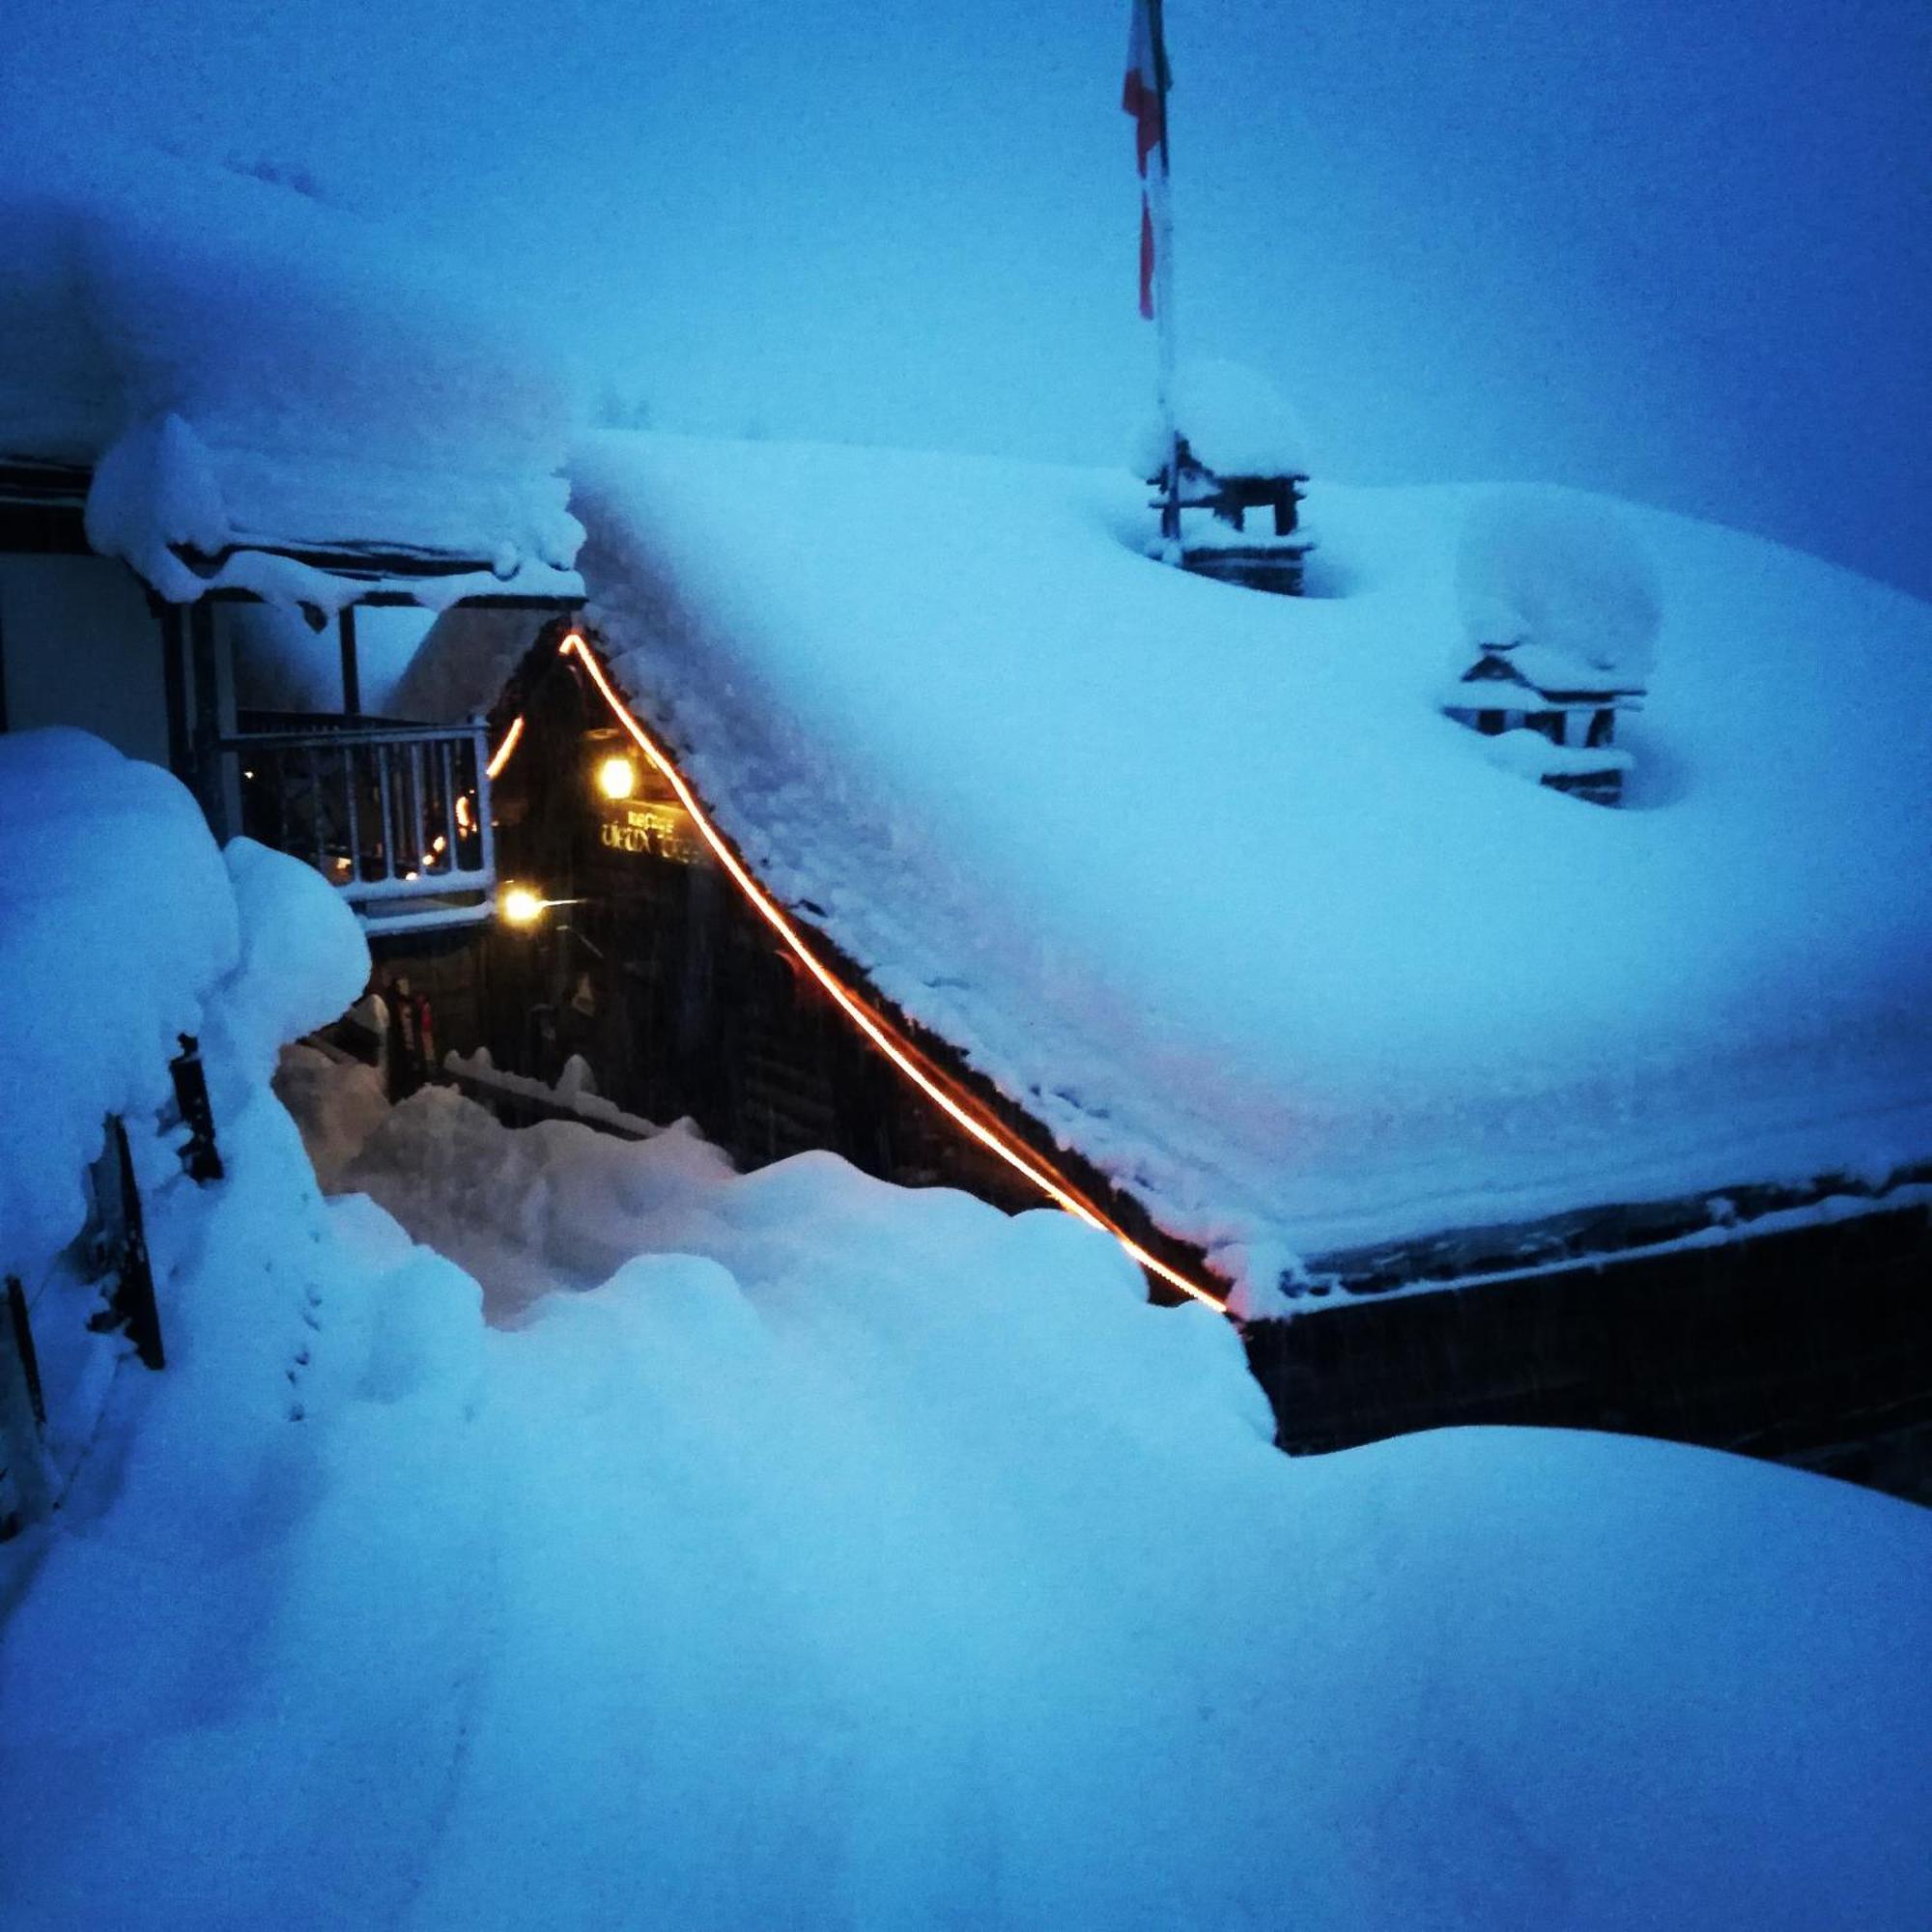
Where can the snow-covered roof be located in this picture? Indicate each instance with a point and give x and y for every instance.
(1205, 881)
(1541, 673)
(245, 370)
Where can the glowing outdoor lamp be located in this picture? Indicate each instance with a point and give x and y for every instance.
(518, 905)
(617, 778)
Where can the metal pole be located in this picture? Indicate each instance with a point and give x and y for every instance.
(386, 811)
(1160, 210)
(446, 762)
(351, 779)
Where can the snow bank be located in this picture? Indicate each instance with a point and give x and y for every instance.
(123, 930)
(118, 923)
(859, 1557)
(248, 366)
(1205, 882)
(304, 958)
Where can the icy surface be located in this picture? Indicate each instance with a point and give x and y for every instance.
(817, 1553)
(248, 366)
(1205, 879)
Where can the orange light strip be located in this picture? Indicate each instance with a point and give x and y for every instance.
(501, 756)
(959, 1107)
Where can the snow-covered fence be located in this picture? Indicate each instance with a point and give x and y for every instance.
(53, 1367)
(101, 1283)
(396, 819)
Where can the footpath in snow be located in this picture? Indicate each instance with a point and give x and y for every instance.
(790, 1550)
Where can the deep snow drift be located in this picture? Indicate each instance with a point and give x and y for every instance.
(853, 1557)
(803, 1551)
(1206, 879)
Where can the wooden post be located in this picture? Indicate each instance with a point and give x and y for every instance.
(117, 1202)
(26, 1477)
(1160, 210)
(200, 1156)
(351, 674)
(173, 686)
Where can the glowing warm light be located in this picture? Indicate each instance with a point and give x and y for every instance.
(520, 907)
(617, 778)
(465, 819)
(931, 1081)
(501, 756)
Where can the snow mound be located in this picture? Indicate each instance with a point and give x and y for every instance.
(1560, 580)
(824, 1554)
(1234, 419)
(304, 958)
(117, 927)
(123, 930)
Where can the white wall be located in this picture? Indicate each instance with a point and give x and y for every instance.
(78, 645)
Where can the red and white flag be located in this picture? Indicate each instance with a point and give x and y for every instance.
(1142, 96)
(1140, 93)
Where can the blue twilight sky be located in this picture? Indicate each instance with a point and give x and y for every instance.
(1682, 251)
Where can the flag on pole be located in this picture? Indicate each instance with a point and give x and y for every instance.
(1144, 99)
(1141, 96)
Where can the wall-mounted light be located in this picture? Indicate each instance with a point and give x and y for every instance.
(617, 778)
(518, 905)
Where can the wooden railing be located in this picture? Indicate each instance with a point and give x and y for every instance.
(395, 816)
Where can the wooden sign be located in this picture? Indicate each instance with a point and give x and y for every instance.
(660, 828)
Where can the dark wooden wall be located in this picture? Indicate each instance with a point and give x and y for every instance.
(1809, 1345)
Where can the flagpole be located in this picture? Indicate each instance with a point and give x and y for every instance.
(1160, 209)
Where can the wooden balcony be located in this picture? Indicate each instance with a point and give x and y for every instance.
(395, 816)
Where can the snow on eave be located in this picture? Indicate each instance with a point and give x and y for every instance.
(1562, 681)
(247, 371)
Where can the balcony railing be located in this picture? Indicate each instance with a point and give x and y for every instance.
(395, 816)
